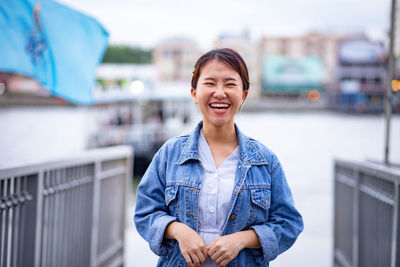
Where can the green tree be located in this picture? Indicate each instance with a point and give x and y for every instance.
(126, 54)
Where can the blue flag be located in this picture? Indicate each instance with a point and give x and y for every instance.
(54, 44)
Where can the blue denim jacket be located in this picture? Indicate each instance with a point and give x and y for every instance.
(261, 200)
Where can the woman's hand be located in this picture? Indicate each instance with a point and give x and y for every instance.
(225, 248)
(192, 246)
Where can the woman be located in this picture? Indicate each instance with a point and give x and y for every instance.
(216, 197)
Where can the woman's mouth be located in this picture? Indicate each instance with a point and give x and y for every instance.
(219, 106)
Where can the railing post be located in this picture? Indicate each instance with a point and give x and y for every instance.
(128, 192)
(39, 222)
(356, 213)
(95, 214)
(334, 212)
(395, 240)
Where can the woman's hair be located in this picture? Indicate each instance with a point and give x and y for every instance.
(227, 56)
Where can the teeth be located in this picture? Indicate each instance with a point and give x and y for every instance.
(219, 105)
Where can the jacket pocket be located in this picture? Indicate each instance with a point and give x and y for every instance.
(170, 194)
(259, 205)
(261, 197)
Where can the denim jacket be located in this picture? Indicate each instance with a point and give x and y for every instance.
(261, 200)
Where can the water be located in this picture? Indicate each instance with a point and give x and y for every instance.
(34, 134)
(305, 143)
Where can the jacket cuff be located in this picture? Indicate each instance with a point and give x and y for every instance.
(269, 243)
(156, 237)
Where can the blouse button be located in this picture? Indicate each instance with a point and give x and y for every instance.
(213, 191)
(212, 209)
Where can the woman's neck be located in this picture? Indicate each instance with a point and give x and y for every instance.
(222, 135)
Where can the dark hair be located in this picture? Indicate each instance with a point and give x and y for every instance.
(227, 56)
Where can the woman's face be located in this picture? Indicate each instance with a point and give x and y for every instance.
(219, 93)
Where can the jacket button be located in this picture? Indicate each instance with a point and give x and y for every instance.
(233, 217)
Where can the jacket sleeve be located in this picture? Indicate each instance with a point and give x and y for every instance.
(151, 214)
(284, 223)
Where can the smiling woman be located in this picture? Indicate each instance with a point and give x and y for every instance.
(216, 197)
(219, 87)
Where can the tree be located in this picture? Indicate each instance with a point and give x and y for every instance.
(126, 54)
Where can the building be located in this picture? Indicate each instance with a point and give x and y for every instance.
(286, 76)
(321, 45)
(175, 59)
(360, 76)
(117, 77)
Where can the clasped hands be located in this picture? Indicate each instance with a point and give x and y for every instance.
(195, 251)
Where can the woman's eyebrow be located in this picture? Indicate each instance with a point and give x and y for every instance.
(213, 79)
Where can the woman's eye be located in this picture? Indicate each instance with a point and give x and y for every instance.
(210, 84)
(231, 84)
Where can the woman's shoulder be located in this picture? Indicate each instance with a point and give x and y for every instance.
(173, 145)
(267, 153)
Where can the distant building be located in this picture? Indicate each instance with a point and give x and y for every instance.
(360, 76)
(283, 75)
(321, 45)
(112, 76)
(175, 59)
(250, 53)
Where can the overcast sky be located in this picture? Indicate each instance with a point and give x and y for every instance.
(145, 22)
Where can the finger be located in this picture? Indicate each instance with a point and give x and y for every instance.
(195, 259)
(225, 261)
(212, 250)
(204, 252)
(220, 259)
(188, 259)
(200, 256)
(211, 245)
(216, 255)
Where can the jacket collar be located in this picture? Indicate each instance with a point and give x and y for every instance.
(249, 153)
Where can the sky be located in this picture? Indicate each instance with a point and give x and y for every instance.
(143, 23)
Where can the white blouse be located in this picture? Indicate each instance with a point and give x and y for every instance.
(215, 194)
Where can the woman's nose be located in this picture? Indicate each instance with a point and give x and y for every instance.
(219, 92)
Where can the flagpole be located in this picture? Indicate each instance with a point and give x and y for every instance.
(388, 95)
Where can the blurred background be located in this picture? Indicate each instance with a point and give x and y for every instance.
(320, 72)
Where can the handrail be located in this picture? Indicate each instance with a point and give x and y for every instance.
(65, 212)
(366, 214)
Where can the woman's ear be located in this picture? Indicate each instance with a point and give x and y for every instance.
(245, 93)
(193, 93)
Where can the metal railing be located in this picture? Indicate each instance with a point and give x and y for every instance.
(366, 215)
(66, 213)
